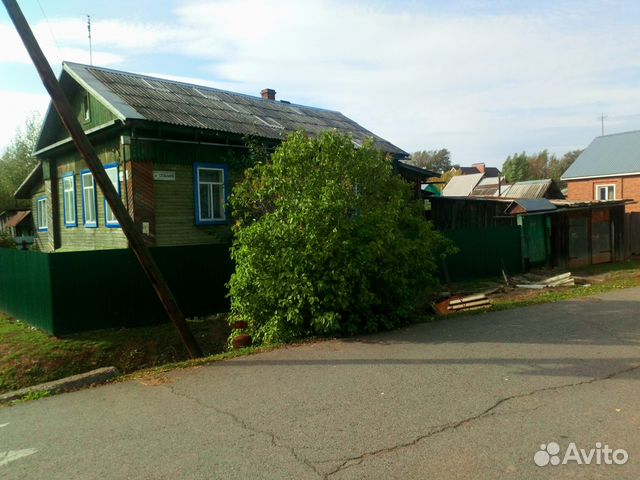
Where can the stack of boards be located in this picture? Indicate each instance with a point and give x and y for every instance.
(472, 302)
(564, 280)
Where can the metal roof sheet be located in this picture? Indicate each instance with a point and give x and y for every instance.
(461, 185)
(531, 205)
(134, 96)
(609, 155)
(529, 189)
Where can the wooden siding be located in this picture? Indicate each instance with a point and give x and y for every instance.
(81, 237)
(175, 212)
(99, 115)
(175, 222)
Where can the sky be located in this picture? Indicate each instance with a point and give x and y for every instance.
(484, 79)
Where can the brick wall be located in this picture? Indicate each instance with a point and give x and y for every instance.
(626, 187)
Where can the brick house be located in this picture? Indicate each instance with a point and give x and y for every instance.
(608, 169)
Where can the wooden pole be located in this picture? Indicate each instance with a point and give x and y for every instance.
(86, 150)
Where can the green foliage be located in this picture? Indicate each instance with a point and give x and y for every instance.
(16, 161)
(7, 240)
(435, 160)
(516, 168)
(328, 241)
(522, 166)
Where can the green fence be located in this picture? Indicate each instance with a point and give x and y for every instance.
(64, 293)
(484, 252)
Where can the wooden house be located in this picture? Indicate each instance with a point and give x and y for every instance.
(173, 150)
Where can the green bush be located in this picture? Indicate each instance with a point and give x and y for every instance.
(328, 241)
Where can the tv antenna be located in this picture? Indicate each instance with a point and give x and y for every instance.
(89, 35)
(602, 118)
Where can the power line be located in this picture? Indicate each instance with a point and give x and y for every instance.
(55, 41)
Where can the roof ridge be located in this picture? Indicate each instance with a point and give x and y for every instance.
(192, 85)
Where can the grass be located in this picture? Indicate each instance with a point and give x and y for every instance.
(604, 278)
(29, 356)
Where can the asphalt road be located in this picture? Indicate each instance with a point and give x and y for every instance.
(471, 397)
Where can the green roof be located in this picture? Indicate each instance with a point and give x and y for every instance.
(608, 156)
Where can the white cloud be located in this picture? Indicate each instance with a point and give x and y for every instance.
(18, 107)
(480, 85)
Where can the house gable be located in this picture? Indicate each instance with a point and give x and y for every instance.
(607, 156)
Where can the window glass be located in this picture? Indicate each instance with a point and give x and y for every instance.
(210, 192)
(69, 192)
(89, 199)
(112, 173)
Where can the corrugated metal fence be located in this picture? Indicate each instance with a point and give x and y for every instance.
(484, 252)
(64, 293)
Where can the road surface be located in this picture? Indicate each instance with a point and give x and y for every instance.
(471, 397)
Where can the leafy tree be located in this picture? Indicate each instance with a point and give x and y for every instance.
(558, 167)
(328, 240)
(16, 161)
(516, 168)
(435, 160)
(537, 166)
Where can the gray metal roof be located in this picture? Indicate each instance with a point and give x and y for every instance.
(609, 155)
(533, 189)
(531, 205)
(134, 96)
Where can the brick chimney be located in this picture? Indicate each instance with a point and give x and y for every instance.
(479, 166)
(268, 94)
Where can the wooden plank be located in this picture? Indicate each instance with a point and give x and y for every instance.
(557, 278)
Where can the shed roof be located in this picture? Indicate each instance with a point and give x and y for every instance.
(608, 155)
(531, 205)
(17, 218)
(545, 188)
(141, 97)
(461, 185)
(33, 179)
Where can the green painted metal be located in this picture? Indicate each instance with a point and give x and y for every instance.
(536, 239)
(25, 287)
(484, 252)
(70, 292)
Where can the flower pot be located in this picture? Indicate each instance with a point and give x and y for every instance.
(241, 341)
(240, 324)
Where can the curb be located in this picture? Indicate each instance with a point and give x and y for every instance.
(73, 382)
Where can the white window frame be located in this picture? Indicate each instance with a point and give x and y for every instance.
(113, 172)
(86, 107)
(89, 197)
(223, 169)
(69, 200)
(605, 187)
(42, 214)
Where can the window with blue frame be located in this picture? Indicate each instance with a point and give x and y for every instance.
(41, 214)
(210, 186)
(113, 173)
(89, 211)
(69, 200)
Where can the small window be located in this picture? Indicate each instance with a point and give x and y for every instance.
(69, 200)
(89, 213)
(113, 173)
(86, 109)
(210, 193)
(41, 214)
(605, 192)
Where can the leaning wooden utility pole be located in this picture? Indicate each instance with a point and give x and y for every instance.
(82, 143)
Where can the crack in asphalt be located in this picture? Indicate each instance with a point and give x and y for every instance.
(357, 460)
(275, 440)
